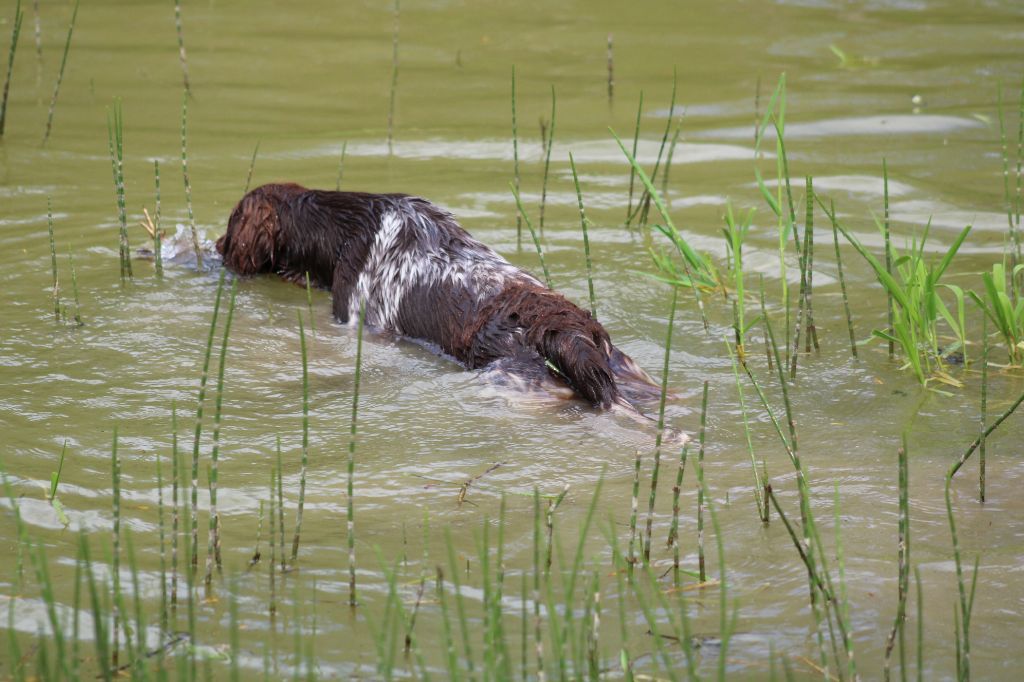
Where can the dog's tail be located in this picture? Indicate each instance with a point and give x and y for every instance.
(583, 362)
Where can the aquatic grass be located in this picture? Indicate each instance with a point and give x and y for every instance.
(548, 144)
(735, 232)
(633, 510)
(280, 507)
(158, 233)
(668, 161)
(350, 518)
(15, 32)
(586, 238)
(60, 74)
(1012, 203)
(252, 166)
(162, 534)
(115, 133)
(962, 617)
(533, 234)
(918, 304)
(460, 607)
(394, 80)
(644, 205)
(759, 484)
(194, 560)
(272, 607)
(214, 557)
(842, 279)
(888, 257)
(115, 469)
(696, 273)
(903, 563)
(984, 412)
(984, 435)
(177, 471)
(661, 427)
(188, 184)
(673, 533)
(1000, 307)
(53, 260)
(538, 640)
(633, 168)
(305, 440)
(182, 57)
(803, 303)
(703, 577)
(811, 337)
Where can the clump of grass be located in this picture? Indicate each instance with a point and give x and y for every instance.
(60, 74)
(1003, 304)
(188, 184)
(15, 32)
(394, 81)
(586, 239)
(182, 57)
(735, 232)
(918, 304)
(115, 133)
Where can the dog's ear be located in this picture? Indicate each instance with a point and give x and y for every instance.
(249, 246)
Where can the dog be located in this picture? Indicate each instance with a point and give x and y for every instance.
(422, 276)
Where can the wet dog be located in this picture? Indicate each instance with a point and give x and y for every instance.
(420, 275)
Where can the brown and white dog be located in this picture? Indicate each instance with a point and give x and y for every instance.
(422, 276)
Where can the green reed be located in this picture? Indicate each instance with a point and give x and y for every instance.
(962, 615)
(515, 160)
(759, 484)
(275, 476)
(162, 532)
(252, 166)
(158, 234)
(673, 533)
(394, 80)
(341, 166)
(668, 161)
(182, 57)
(842, 280)
(115, 133)
(305, 440)
(983, 436)
(351, 528)
(984, 412)
(634, 507)
(257, 553)
(177, 471)
(214, 550)
(700, 484)
(1012, 201)
(280, 508)
(15, 32)
(735, 232)
(53, 260)
(533, 234)
(548, 144)
(644, 205)
(115, 469)
(696, 273)
(661, 427)
(886, 233)
(194, 560)
(74, 289)
(60, 74)
(903, 564)
(586, 238)
(633, 168)
(188, 184)
(537, 619)
(811, 336)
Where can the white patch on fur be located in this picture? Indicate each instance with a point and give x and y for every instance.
(436, 254)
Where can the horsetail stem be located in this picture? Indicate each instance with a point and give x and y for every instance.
(352, 461)
(305, 441)
(586, 238)
(18, 16)
(60, 75)
(661, 427)
(547, 162)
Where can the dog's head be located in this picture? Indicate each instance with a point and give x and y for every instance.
(252, 241)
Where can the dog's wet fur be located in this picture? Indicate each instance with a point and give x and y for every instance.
(420, 275)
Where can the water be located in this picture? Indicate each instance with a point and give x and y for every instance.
(918, 89)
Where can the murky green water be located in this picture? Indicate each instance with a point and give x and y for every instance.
(918, 89)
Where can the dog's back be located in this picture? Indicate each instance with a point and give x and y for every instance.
(419, 274)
